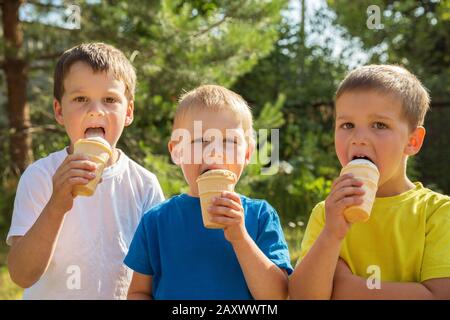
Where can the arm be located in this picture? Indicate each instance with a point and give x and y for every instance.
(30, 254)
(313, 277)
(140, 287)
(264, 279)
(350, 286)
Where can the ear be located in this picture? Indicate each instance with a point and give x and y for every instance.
(415, 141)
(57, 109)
(130, 113)
(249, 151)
(175, 152)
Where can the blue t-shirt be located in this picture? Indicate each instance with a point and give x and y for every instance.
(188, 261)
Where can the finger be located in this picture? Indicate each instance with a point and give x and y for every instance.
(348, 182)
(74, 156)
(348, 191)
(224, 211)
(69, 179)
(348, 202)
(340, 178)
(77, 164)
(74, 181)
(226, 202)
(232, 195)
(224, 220)
(83, 164)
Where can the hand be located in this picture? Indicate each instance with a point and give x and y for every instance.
(346, 191)
(227, 210)
(76, 169)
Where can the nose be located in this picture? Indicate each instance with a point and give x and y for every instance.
(95, 109)
(359, 137)
(214, 153)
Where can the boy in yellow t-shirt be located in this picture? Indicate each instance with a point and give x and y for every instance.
(403, 250)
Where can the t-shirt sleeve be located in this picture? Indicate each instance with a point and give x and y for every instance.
(436, 258)
(271, 239)
(138, 256)
(155, 194)
(33, 192)
(315, 225)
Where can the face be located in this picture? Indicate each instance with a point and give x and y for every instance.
(93, 104)
(204, 141)
(370, 125)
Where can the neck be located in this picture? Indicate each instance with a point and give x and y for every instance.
(193, 193)
(396, 185)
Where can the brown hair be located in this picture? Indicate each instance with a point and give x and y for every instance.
(391, 79)
(100, 57)
(214, 98)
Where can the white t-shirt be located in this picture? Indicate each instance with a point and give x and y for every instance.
(96, 232)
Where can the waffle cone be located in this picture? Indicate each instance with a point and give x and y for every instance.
(368, 173)
(98, 152)
(211, 184)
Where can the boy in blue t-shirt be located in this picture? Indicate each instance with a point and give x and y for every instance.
(172, 254)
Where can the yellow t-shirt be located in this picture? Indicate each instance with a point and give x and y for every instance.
(407, 237)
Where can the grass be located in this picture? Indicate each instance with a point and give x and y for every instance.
(293, 233)
(8, 290)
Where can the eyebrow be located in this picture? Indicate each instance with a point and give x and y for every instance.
(375, 115)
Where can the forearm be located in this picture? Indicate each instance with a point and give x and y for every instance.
(313, 277)
(139, 296)
(353, 287)
(29, 257)
(264, 279)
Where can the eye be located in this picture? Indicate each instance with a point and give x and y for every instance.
(110, 100)
(379, 125)
(347, 125)
(80, 99)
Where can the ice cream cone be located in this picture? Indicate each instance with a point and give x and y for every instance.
(99, 151)
(211, 184)
(368, 173)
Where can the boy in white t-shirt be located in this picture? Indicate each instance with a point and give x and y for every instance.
(68, 247)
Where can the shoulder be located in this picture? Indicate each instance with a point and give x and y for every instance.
(138, 171)
(433, 203)
(260, 206)
(259, 210)
(44, 168)
(160, 210)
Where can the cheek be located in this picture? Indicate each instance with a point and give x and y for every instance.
(340, 146)
(190, 172)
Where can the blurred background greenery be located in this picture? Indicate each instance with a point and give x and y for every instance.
(284, 57)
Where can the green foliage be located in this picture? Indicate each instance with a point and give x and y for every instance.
(414, 34)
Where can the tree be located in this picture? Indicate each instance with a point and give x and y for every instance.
(175, 44)
(414, 34)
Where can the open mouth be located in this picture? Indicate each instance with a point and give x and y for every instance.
(209, 169)
(94, 132)
(362, 157)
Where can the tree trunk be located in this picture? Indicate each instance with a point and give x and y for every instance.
(15, 67)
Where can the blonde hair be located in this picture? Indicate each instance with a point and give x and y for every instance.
(391, 79)
(214, 98)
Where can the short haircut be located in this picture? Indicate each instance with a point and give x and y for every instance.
(391, 79)
(100, 57)
(214, 98)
